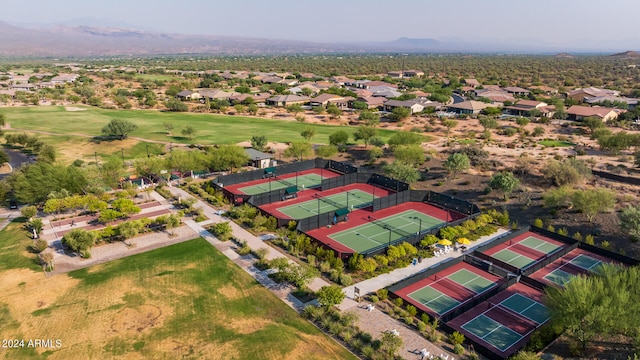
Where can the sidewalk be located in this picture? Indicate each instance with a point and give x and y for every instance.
(381, 281)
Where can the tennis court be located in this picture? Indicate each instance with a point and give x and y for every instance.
(504, 324)
(539, 245)
(280, 182)
(378, 232)
(462, 285)
(352, 199)
(568, 270)
(513, 258)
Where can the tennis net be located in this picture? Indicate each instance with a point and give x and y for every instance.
(285, 181)
(455, 287)
(512, 314)
(336, 204)
(389, 227)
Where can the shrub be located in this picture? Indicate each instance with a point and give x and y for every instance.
(244, 249)
(458, 349)
(589, 239)
(605, 245)
(577, 236)
(563, 232)
(456, 338)
(39, 245)
(383, 294)
(412, 310)
(422, 327)
(374, 299)
(538, 223)
(345, 280)
(398, 301)
(551, 228)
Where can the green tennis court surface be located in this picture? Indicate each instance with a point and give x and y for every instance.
(492, 332)
(586, 262)
(471, 281)
(527, 308)
(513, 258)
(559, 277)
(352, 199)
(434, 299)
(380, 232)
(278, 183)
(540, 245)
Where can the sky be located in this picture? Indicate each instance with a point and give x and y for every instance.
(555, 23)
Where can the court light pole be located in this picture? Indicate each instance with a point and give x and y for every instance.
(389, 237)
(420, 225)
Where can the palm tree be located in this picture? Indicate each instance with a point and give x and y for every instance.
(46, 258)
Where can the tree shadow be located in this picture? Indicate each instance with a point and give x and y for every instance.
(99, 139)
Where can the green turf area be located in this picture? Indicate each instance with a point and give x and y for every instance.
(210, 129)
(383, 231)
(556, 143)
(492, 332)
(348, 199)
(182, 301)
(559, 277)
(512, 258)
(434, 299)
(277, 183)
(153, 77)
(15, 246)
(586, 262)
(471, 280)
(539, 245)
(528, 308)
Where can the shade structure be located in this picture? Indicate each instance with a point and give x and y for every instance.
(464, 241)
(445, 242)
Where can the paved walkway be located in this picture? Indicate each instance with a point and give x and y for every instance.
(374, 284)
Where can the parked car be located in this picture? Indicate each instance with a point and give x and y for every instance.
(13, 204)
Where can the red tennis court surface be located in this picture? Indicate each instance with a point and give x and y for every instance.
(447, 289)
(327, 174)
(309, 194)
(576, 262)
(360, 217)
(525, 249)
(504, 323)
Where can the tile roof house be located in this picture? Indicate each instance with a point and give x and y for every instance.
(468, 107)
(342, 102)
(414, 106)
(471, 82)
(286, 100)
(578, 113)
(271, 79)
(496, 96)
(64, 78)
(257, 98)
(516, 91)
(305, 85)
(631, 103)
(323, 99)
(583, 94)
(185, 95)
(524, 108)
(384, 91)
(371, 101)
(544, 89)
(215, 94)
(368, 84)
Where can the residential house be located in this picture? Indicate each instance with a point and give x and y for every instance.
(64, 78)
(341, 102)
(384, 91)
(497, 97)
(579, 112)
(471, 82)
(469, 107)
(368, 84)
(188, 95)
(305, 85)
(323, 99)
(395, 74)
(544, 90)
(271, 79)
(420, 94)
(414, 105)
(516, 91)
(342, 80)
(215, 94)
(525, 107)
(259, 159)
(23, 87)
(371, 101)
(288, 82)
(631, 103)
(412, 73)
(286, 100)
(582, 94)
(257, 97)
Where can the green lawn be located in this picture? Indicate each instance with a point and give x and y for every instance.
(161, 77)
(556, 143)
(15, 247)
(183, 301)
(210, 129)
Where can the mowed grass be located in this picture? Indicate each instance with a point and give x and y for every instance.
(210, 128)
(556, 143)
(184, 301)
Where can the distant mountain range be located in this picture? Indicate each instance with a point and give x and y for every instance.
(74, 39)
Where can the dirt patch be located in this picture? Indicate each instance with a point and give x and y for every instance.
(247, 325)
(316, 345)
(136, 319)
(175, 349)
(74, 108)
(230, 292)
